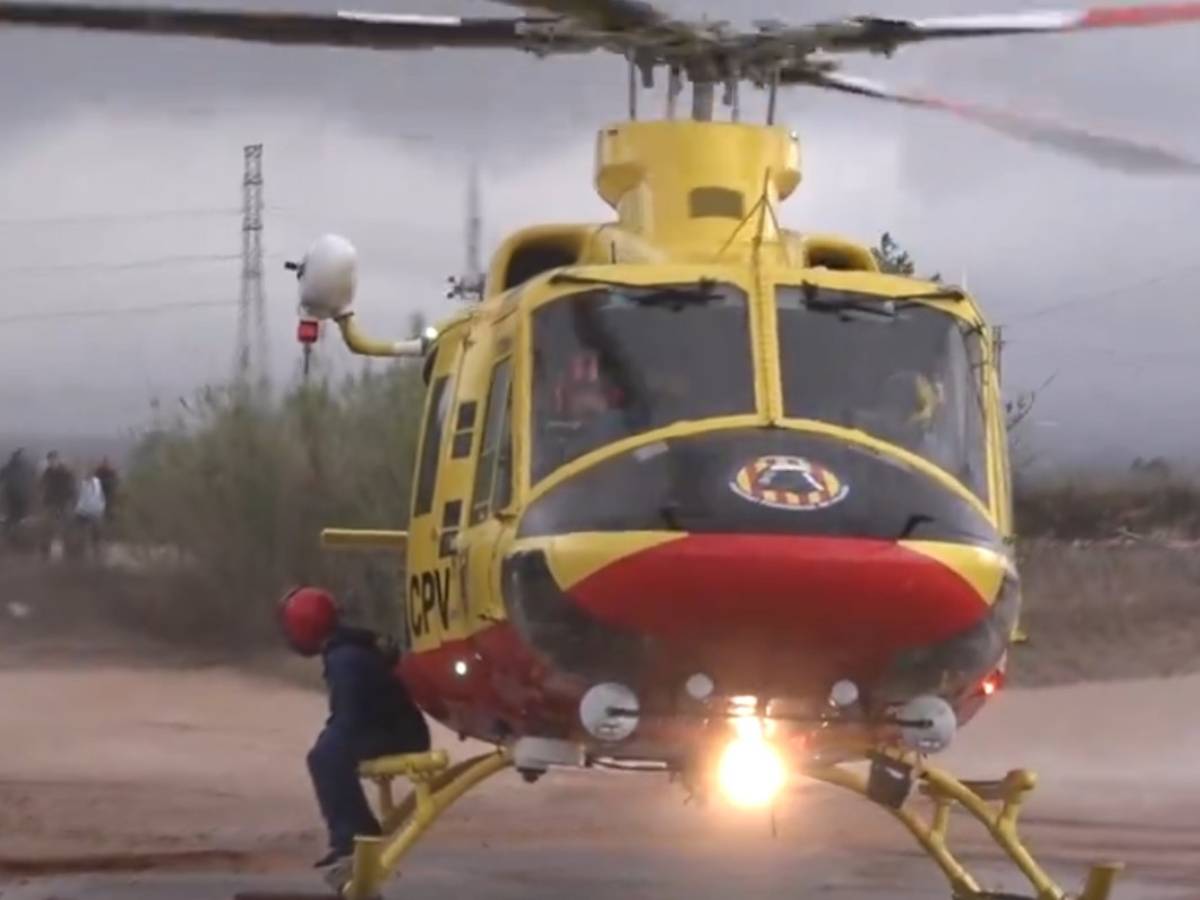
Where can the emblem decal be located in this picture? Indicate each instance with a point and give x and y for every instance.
(788, 482)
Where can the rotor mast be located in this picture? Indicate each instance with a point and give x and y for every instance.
(704, 93)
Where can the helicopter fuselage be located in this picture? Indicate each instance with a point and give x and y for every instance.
(792, 496)
(694, 444)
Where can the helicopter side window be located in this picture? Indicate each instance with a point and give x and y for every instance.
(621, 360)
(431, 444)
(464, 430)
(908, 374)
(503, 490)
(491, 490)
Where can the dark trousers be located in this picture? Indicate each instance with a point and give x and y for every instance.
(333, 764)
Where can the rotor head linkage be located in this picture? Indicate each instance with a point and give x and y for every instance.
(703, 100)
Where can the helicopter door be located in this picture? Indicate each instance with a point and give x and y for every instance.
(439, 498)
(491, 496)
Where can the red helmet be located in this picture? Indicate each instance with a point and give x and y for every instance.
(308, 616)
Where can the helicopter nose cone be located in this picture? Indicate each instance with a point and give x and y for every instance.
(754, 606)
(822, 588)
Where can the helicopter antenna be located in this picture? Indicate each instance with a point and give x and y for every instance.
(470, 285)
(474, 228)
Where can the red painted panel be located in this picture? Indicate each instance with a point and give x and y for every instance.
(1133, 16)
(814, 590)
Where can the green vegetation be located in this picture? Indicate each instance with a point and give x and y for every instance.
(1138, 505)
(241, 489)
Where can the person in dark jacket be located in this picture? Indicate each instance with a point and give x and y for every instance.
(18, 479)
(370, 714)
(59, 493)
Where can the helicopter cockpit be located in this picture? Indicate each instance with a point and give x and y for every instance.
(613, 361)
(903, 372)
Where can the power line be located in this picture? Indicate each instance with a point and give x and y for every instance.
(109, 218)
(152, 308)
(1111, 293)
(152, 263)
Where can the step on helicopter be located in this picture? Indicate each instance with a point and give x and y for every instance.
(695, 492)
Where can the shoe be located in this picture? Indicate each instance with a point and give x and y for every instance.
(337, 874)
(332, 858)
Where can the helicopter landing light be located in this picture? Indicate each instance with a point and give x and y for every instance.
(844, 694)
(699, 686)
(927, 723)
(609, 711)
(751, 772)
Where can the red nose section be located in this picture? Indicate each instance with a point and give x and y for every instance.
(846, 604)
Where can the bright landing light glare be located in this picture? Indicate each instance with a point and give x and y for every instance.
(751, 771)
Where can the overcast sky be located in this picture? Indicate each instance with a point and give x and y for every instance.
(1092, 272)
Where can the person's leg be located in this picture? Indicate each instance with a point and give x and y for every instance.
(94, 539)
(333, 766)
(49, 531)
(18, 509)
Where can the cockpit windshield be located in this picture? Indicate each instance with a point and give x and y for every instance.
(618, 360)
(900, 371)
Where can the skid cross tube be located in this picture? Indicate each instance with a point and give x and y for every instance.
(944, 790)
(436, 785)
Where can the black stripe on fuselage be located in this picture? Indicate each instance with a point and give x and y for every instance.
(688, 484)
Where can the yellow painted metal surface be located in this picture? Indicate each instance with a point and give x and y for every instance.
(436, 786)
(996, 808)
(363, 344)
(980, 567)
(657, 175)
(364, 539)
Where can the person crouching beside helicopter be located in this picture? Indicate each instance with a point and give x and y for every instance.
(370, 714)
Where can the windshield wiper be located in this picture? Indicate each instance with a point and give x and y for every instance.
(946, 293)
(701, 290)
(820, 299)
(817, 299)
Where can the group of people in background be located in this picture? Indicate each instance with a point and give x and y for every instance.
(48, 502)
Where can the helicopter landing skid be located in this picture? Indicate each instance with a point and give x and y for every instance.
(995, 804)
(436, 785)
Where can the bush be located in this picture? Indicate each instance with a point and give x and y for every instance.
(240, 489)
(1095, 508)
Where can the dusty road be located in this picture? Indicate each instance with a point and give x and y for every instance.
(121, 781)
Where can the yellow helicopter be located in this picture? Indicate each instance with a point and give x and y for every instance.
(696, 492)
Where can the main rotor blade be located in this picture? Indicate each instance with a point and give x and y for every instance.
(609, 15)
(1119, 153)
(883, 34)
(382, 31)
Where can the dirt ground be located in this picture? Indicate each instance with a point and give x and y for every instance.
(128, 771)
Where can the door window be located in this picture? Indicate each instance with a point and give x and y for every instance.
(431, 444)
(493, 473)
